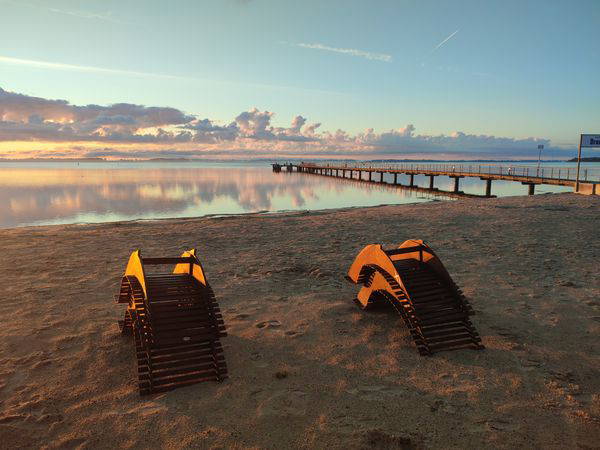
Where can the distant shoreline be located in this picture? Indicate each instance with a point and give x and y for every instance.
(269, 160)
(588, 159)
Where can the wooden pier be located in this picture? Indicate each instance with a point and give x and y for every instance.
(528, 176)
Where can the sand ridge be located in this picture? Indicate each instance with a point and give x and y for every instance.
(307, 368)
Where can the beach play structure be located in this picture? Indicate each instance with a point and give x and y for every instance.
(416, 283)
(175, 321)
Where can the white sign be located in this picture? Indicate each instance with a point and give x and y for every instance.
(590, 140)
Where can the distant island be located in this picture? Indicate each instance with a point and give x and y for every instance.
(588, 159)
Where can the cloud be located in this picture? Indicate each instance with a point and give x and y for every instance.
(207, 131)
(23, 117)
(348, 51)
(80, 68)
(254, 123)
(297, 123)
(106, 16)
(108, 71)
(151, 131)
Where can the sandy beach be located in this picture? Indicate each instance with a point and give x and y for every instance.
(307, 368)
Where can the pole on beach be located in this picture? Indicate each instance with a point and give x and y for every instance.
(578, 164)
(540, 148)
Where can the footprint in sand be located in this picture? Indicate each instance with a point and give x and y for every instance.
(294, 333)
(241, 316)
(269, 324)
(284, 404)
(530, 364)
(493, 425)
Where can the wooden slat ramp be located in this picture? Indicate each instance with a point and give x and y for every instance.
(175, 321)
(413, 279)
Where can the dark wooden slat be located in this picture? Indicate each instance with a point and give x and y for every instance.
(170, 387)
(402, 251)
(174, 349)
(174, 375)
(188, 362)
(180, 260)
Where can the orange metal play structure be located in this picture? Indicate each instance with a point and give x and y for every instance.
(413, 279)
(175, 321)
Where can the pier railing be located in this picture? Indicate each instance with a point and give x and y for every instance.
(548, 172)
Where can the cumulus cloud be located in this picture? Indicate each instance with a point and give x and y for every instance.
(170, 131)
(254, 124)
(24, 117)
(297, 123)
(207, 131)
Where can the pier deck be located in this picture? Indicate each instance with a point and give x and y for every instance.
(529, 176)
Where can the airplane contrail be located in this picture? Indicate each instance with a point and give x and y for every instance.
(446, 40)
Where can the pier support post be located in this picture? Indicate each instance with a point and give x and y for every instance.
(360, 175)
(370, 175)
(488, 186)
(395, 178)
(381, 177)
(431, 177)
(456, 184)
(412, 180)
(531, 190)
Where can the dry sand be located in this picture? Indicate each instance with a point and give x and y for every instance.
(529, 266)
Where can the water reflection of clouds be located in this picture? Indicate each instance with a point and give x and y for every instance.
(64, 195)
(61, 195)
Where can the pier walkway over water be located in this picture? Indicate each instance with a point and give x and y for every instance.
(589, 180)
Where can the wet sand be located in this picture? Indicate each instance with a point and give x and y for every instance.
(307, 368)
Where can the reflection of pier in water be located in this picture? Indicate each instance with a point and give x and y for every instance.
(384, 186)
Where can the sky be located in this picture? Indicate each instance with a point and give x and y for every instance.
(254, 78)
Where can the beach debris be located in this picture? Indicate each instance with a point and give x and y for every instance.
(175, 320)
(414, 280)
(281, 374)
(380, 439)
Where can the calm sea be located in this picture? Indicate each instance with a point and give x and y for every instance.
(59, 193)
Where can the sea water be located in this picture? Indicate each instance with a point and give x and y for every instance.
(42, 193)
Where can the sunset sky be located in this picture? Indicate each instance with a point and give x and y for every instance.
(238, 79)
